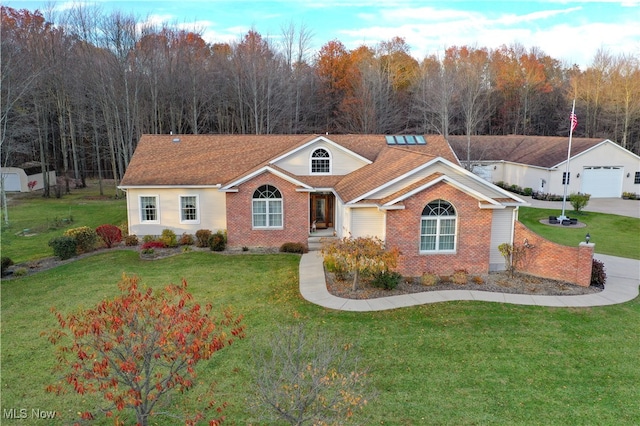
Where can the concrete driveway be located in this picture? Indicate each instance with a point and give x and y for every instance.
(599, 205)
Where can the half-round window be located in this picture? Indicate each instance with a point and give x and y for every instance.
(320, 161)
(438, 227)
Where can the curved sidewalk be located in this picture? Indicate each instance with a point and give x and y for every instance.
(623, 278)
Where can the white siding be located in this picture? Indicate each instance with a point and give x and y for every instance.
(501, 232)
(342, 162)
(367, 222)
(212, 208)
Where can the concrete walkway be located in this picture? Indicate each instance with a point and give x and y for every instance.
(623, 279)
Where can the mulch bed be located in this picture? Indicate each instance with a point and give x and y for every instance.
(500, 282)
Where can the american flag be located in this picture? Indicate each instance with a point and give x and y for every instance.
(574, 121)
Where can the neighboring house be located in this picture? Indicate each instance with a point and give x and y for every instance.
(598, 167)
(409, 191)
(16, 179)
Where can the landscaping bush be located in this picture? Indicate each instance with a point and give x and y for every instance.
(202, 237)
(186, 239)
(6, 262)
(460, 277)
(218, 241)
(169, 238)
(131, 240)
(153, 245)
(429, 279)
(527, 191)
(339, 269)
(579, 201)
(598, 275)
(148, 238)
(387, 280)
(293, 248)
(63, 247)
(110, 234)
(85, 237)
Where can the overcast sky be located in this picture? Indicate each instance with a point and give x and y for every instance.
(566, 30)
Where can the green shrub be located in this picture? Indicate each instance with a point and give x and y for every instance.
(218, 241)
(6, 262)
(169, 238)
(527, 191)
(202, 237)
(579, 201)
(131, 240)
(293, 248)
(20, 272)
(186, 239)
(460, 277)
(339, 269)
(387, 280)
(148, 238)
(598, 275)
(86, 238)
(64, 247)
(429, 279)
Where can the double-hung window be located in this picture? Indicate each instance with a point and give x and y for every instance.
(267, 207)
(438, 228)
(189, 209)
(148, 208)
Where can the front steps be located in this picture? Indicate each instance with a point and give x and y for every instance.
(315, 240)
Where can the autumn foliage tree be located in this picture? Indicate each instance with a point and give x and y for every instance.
(361, 255)
(139, 347)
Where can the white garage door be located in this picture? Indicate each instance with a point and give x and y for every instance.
(11, 182)
(602, 182)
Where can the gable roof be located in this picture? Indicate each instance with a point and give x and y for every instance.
(541, 151)
(210, 160)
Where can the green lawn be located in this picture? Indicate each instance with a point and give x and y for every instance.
(612, 234)
(34, 220)
(448, 363)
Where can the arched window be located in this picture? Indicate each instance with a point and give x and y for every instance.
(438, 227)
(320, 161)
(267, 207)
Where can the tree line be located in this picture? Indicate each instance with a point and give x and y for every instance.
(78, 93)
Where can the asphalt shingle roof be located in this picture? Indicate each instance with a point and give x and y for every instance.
(542, 151)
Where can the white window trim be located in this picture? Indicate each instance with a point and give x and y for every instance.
(438, 220)
(268, 202)
(438, 251)
(189, 222)
(311, 158)
(141, 216)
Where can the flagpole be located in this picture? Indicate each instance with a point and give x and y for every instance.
(566, 180)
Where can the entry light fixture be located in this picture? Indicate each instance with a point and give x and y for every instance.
(578, 175)
(587, 238)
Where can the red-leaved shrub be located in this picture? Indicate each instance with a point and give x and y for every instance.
(110, 234)
(153, 245)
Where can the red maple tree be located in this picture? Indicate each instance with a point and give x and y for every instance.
(140, 346)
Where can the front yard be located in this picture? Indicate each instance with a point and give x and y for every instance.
(447, 363)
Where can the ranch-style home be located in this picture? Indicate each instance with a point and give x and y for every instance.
(598, 167)
(265, 190)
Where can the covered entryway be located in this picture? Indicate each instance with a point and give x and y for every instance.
(602, 181)
(322, 210)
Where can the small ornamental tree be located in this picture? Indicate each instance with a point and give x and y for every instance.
(514, 256)
(110, 234)
(308, 378)
(579, 201)
(139, 347)
(361, 255)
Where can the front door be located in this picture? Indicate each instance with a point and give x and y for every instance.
(322, 210)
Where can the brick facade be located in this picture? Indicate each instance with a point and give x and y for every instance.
(550, 260)
(473, 234)
(240, 230)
